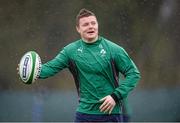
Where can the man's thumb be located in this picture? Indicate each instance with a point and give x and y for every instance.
(101, 100)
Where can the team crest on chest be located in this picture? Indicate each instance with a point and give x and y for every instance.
(102, 51)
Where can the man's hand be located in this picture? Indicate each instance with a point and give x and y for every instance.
(17, 69)
(107, 105)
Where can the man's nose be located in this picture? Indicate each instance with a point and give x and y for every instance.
(90, 26)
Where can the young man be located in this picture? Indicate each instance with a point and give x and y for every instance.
(95, 63)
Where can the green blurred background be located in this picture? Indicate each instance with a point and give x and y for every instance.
(147, 29)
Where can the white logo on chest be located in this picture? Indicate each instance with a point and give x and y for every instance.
(103, 52)
(80, 49)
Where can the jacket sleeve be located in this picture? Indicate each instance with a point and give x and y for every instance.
(55, 65)
(131, 74)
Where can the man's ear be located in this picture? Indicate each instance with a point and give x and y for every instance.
(77, 28)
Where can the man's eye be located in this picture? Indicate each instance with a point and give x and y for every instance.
(93, 23)
(85, 24)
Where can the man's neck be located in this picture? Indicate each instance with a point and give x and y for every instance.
(91, 41)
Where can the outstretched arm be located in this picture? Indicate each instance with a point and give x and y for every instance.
(55, 65)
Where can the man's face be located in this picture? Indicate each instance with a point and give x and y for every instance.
(88, 28)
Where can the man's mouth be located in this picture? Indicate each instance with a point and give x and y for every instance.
(90, 32)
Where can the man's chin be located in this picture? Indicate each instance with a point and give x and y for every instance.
(92, 39)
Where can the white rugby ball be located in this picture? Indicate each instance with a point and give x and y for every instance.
(29, 67)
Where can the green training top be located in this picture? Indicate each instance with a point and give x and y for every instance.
(95, 67)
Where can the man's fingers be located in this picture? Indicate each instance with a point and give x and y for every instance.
(104, 103)
(107, 108)
(101, 100)
(104, 107)
(107, 105)
(110, 110)
(17, 69)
